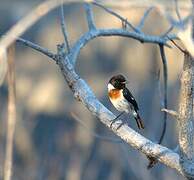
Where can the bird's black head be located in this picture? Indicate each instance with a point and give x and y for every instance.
(118, 81)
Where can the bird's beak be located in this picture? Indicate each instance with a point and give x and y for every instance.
(126, 82)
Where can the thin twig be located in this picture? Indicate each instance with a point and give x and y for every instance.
(83, 93)
(116, 15)
(177, 10)
(64, 31)
(141, 24)
(11, 115)
(37, 48)
(171, 112)
(165, 78)
(168, 31)
(153, 160)
(177, 46)
(104, 138)
(19, 28)
(89, 15)
(3, 66)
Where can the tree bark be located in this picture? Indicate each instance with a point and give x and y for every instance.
(186, 130)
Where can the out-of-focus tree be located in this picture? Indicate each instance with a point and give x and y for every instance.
(183, 159)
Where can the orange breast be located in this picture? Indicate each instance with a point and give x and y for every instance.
(114, 93)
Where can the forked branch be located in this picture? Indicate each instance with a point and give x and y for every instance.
(83, 93)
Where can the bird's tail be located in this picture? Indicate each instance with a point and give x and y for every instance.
(139, 121)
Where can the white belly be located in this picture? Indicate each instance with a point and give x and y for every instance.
(121, 105)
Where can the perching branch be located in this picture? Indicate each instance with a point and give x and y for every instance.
(83, 93)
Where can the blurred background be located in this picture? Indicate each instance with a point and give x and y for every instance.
(49, 142)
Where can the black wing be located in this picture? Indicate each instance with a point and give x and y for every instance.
(127, 94)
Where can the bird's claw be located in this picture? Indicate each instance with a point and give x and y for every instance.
(113, 121)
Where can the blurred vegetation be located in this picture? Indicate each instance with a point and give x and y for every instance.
(49, 142)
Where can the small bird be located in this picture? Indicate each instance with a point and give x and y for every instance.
(122, 99)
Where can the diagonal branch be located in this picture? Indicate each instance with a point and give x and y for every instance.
(170, 29)
(64, 29)
(177, 10)
(83, 93)
(116, 15)
(89, 15)
(141, 24)
(37, 48)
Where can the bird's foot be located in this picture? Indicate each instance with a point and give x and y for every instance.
(121, 124)
(115, 119)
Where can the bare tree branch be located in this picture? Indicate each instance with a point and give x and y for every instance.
(89, 15)
(64, 29)
(3, 66)
(165, 79)
(83, 93)
(153, 160)
(140, 26)
(177, 10)
(11, 121)
(84, 39)
(37, 48)
(185, 118)
(171, 112)
(139, 4)
(182, 50)
(19, 28)
(116, 15)
(168, 31)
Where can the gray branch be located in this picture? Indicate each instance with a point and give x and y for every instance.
(117, 15)
(89, 15)
(83, 93)
(165, 102)
(185, 118)
(141, 24)
(177, 10)
(171, 112)
(37, 48)
(64, 31)
(116, 32)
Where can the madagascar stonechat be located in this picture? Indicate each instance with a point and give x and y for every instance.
(122, 99)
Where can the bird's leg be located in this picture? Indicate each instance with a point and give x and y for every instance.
(114, 120)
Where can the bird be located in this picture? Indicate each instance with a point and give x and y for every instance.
(122, 99)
